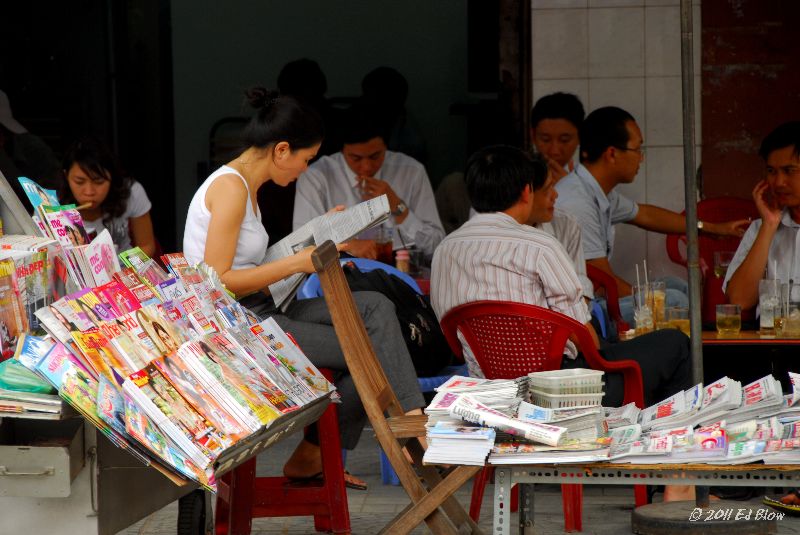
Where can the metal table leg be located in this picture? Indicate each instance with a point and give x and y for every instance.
(502, 506)
(525, 508)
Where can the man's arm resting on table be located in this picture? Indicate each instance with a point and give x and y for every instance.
(623, 288)
(742, 287)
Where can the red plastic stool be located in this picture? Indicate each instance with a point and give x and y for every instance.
(242, 496)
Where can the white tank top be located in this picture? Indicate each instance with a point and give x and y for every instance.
(253, 238)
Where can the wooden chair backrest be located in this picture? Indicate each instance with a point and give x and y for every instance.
(371, 383)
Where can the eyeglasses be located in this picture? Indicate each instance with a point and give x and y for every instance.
(640, 150)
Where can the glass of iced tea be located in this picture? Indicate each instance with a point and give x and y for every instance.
(678, 318)
(722, 259)
(729, 320)
(383, 241)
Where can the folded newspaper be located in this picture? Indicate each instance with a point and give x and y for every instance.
(335, 226)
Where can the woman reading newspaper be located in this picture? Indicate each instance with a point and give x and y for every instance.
(224, 229)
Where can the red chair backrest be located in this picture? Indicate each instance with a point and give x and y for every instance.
(509, 339)
(715, 210)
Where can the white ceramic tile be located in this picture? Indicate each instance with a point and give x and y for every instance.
(626, 93)
(557, 4)
(578, 87)
(615, 3)
(616, 42)
(665, 177)
(662, 41)
(559, 44)
(658, 263)
(664, 109)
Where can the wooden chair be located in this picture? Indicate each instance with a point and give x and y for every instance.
(432, 501)
(510, 340)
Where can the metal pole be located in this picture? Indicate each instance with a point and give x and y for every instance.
(690, 188)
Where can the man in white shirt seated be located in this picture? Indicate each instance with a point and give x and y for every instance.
(770, 243)
(498, 256)
(365, 169)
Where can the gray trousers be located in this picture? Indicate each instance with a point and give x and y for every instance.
(309, 322)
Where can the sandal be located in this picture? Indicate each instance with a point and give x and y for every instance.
(789, 503)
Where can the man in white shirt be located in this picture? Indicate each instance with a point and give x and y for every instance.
(365, 169)
(612, 149)
(498, 256)
(770, 244)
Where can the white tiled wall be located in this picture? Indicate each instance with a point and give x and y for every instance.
(625, 53)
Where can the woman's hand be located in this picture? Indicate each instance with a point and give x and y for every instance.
(303, 261)
(337, 208)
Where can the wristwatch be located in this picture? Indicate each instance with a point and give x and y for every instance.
(401, 209)
(700, 225)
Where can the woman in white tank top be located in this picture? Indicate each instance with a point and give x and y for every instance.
(224, 229)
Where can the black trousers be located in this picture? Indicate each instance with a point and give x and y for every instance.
(665, 360)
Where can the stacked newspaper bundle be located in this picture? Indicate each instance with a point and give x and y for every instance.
(458, 445)
(178, 378)
(763, 396)
(677, 410)
(526, 453)
(621, 416)
(719, 398)
(503, 395)
(646, 450)
(583, 424)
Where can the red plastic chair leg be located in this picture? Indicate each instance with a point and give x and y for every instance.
(478, 486)
(572, 500)
(640, 495)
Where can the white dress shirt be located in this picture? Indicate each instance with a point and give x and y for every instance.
(330, 181)
(493, 257)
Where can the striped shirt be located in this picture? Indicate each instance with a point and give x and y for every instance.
(493, 257)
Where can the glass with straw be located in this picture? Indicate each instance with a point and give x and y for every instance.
(643, 310)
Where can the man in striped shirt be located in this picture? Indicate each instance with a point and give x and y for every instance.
(498, 256)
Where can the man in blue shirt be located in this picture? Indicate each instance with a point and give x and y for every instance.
(611, 151)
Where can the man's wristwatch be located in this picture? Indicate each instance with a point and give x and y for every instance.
(700, 225)
(401, 209)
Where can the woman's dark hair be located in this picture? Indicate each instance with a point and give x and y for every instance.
(97, 161)
(603, 128)
(496, 176)
(786, 135)
(281, 118)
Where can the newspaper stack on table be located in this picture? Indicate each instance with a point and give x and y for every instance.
(502, 395)
(675, 411)
(458, 445)
(585, 423)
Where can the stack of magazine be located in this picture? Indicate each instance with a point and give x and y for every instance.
(458, 445)
(169, 366)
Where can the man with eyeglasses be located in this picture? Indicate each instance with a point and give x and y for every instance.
(770, 244)
(611, 151)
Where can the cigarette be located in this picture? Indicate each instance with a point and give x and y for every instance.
(84, 206)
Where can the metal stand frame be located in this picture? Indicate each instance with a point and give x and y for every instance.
(746, 475)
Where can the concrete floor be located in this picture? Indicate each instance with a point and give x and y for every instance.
(606, 510)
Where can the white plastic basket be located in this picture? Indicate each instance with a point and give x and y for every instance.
(569, 381)
(565, 401)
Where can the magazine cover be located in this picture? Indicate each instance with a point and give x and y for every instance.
(164, 337)
(33, 284)
(66, 224)
(203, 401)
(118, 298)
(57, 361)
(11, 322)
(32, 349)
(101, 255)
(130, 323)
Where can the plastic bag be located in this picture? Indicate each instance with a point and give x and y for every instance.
(15, 376)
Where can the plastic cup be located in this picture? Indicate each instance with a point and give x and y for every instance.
(790, 302)
(643, 309)
(768, 305)
(729, 320)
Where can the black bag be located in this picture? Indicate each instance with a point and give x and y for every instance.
(421, 331)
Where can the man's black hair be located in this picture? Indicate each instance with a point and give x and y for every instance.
(786, 135)
(496, 176)
(603, 128)
(361, 124)
(558, 106)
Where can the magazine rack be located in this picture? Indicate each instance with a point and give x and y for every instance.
(112, 490)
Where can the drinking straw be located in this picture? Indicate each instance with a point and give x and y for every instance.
(774, 269)
(638, 286)
(645, 273)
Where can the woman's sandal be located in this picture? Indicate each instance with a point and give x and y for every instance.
(789, 503)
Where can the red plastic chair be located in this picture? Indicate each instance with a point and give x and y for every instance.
(715, 210)
(510, 340)
(242, 496)
(602, 280)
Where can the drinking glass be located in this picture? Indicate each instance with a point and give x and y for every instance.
(790, 301)
(768, 305)
(729, 320)
(383, 241)
(415, 260)
(658, 290)
(678, 318)
(722, 259)
(643, 309)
